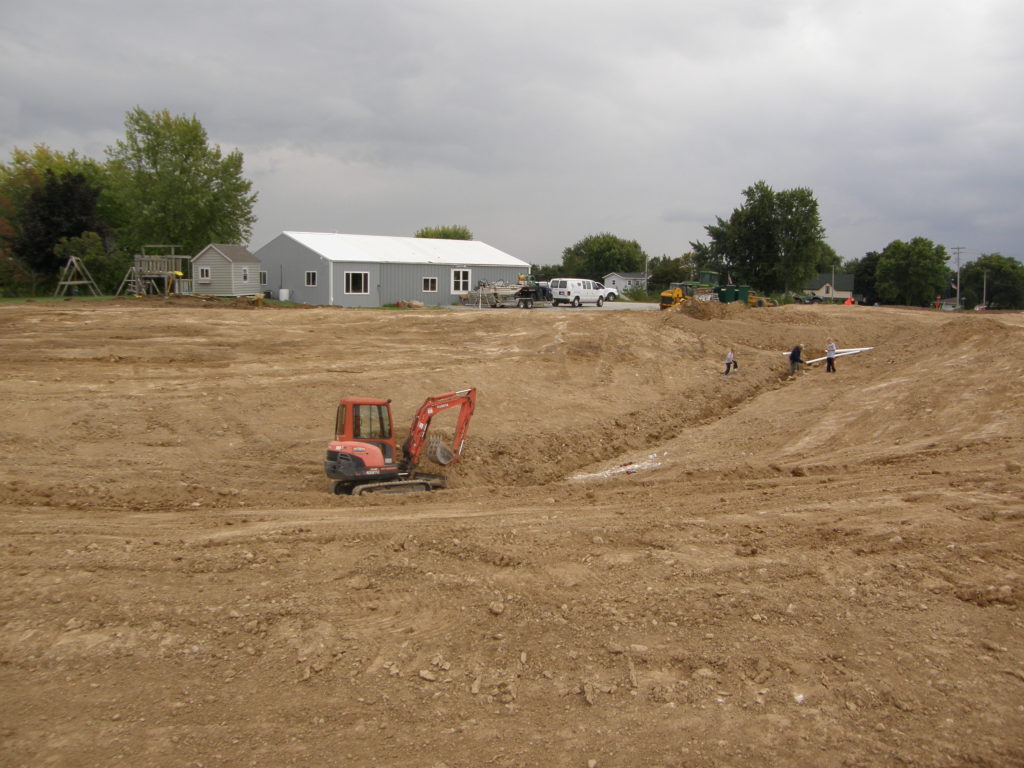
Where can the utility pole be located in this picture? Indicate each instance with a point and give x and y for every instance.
(957, 249)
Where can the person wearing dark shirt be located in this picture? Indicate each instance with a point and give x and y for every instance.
(795, 361)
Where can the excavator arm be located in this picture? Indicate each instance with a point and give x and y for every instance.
(413, 447)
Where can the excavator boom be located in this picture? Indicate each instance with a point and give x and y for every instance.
(465, 399)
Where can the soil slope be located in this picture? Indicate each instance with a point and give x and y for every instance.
(639, 562)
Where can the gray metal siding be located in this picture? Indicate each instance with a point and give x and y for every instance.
(404, 282)
(342, 299)
(285, 261)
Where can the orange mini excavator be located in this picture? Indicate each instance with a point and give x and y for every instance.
(362, 457)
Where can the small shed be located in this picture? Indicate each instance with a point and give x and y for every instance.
(225, 270)
(626, 281)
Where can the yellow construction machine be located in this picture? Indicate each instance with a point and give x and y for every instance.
(678, 294)
(754, 300)
(671, 298)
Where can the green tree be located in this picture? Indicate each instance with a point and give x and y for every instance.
(107, 268)
(60, 207)
(595, 256)
(15, 278)
(544, 272)
(863, 271)
(911, 273)
(993, 280)
(665, 270)
(446, 232)
(827, 259)
(173, 187)
(774, 241)
(23, 175)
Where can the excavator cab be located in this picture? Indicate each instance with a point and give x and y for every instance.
(366, 420)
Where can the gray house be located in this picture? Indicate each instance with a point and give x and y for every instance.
(325, 268)
(626, 281)
(225, 270)
(822, 287)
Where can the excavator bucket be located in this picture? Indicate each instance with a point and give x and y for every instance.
(438, 452)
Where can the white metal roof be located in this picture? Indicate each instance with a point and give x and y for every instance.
(405, 250)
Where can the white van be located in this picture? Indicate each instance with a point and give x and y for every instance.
(575, 291)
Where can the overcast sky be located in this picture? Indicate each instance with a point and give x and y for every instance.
(536, 124)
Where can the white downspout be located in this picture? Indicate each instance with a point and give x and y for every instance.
(330, 282)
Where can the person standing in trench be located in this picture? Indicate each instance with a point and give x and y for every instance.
(830, 356)
(730, 362)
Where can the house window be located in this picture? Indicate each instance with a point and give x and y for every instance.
(460, 280)
(263, 278)
(204, 274)
(311, 279)
(430, 285)
(245, 274)
(357, 282)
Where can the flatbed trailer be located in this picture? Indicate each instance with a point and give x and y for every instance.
(521, 295)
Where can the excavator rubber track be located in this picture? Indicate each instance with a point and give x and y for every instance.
(418, 484)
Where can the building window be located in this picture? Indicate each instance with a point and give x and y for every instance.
(245, 274)
(311, 279)
(204, 274)
(460, 280)
(430, 285)
(357, 282)
(263, 278)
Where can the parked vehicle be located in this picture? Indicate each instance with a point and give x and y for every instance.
(533, 294)
(610, 294)
(576, 291)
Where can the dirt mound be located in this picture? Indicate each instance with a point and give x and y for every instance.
(639, 561)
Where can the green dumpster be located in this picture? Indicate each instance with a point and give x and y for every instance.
(726, 293)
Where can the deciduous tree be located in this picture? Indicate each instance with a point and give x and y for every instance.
(174, 187)
(911, 273)
(995, 280)
(446, 232)
(665, 270)
(107, 268)
(595, 256)
(23, 175)
(60, 207)
(863, 271)
(543, 272)
(774, 241)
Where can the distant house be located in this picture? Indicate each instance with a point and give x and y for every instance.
(821, 285)
(225, 270)
(626, 281)
(325, 268)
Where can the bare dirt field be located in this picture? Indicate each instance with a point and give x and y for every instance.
(639, 562)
